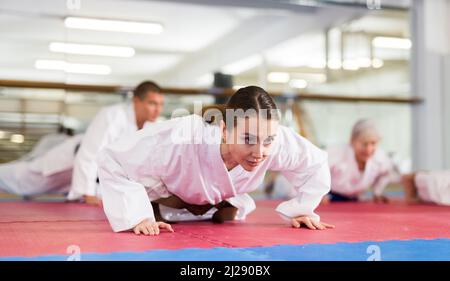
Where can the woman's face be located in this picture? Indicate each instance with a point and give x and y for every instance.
(250, 141)
(364, 146)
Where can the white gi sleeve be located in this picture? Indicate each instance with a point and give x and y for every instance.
(306, 167)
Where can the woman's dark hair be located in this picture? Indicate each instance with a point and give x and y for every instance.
(244, 102)
(252, 98)
(144, 88)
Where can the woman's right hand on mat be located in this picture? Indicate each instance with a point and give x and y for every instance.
(310, 223)
(147, 227)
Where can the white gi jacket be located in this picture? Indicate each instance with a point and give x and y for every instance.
(161, 160)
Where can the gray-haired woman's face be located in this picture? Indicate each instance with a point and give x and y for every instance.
(365, 146)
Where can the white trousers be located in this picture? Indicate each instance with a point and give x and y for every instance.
(434, 187)
(17, 178)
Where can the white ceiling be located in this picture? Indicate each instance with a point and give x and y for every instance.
(198, 38)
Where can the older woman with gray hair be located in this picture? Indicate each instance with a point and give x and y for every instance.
(359, 165)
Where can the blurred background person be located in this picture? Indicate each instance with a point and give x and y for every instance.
(49, 172)
(359, 165)
(107, 126)
(428, 187)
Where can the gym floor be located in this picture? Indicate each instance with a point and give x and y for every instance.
(47, 229)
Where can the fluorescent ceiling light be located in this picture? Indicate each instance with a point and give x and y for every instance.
(242, 65)
(278, 77)
(17, 138)
(88, 49)
(310, 77)
(113, 25)
(2, 134)
(364, 62)
(377, 63)
(98, 69)
(391, 42)
(298, 83)
(355, 64)
(334, 64)
(350, 65)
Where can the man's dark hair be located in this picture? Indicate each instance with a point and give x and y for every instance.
(144, 88)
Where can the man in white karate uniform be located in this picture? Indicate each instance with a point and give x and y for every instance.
(108, 125)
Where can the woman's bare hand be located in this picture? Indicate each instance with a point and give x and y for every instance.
(310, 223)
(151, 228)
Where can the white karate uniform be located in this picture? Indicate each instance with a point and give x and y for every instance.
(152, 163)
(107, 126)
(44, 144)
(48, 173)
(434, 187)
(347, 180)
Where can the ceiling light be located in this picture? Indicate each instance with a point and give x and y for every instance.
(364, 62)
(88, 49)
(310, 77)
(334, 64)
(278, 77)
(298, 83)
(391, 42)
(113, 25)
(377, 63)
